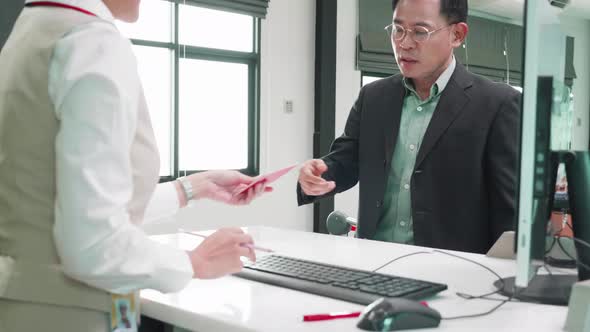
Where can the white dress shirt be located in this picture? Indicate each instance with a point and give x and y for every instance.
(95, 88)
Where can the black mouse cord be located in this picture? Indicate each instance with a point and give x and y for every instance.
(463, 295)
(400, 257)
(482, 313)
(469, 296)
(483, 296)
(578, 241)
(577, 261)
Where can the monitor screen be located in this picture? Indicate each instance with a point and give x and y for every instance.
(555, 94)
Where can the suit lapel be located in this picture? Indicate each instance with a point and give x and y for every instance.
(451, 104)
(392, 116)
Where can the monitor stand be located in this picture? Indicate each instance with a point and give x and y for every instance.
(555, 289)
(545, 289)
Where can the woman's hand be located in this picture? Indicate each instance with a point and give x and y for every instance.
(227, 187)
(219, 254)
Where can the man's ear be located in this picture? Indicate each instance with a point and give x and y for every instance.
(460, 31)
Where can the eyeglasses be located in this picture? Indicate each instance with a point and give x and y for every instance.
(419, 34)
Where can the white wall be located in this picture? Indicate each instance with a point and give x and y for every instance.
(348, 83)
(287, 72)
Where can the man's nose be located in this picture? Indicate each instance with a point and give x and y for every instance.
(407, 41)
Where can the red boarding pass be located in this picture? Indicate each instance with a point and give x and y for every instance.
(268, 178)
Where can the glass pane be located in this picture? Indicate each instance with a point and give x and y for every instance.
(368, 79)
(154, 24)
(562, 115)
(155, 70)
(213, 115)
(215, 29)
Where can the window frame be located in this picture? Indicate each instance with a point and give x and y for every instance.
(181, 51)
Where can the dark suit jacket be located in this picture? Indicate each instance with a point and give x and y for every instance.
(463, 189)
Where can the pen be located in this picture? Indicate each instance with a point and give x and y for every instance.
(248, 245)
(334, 315)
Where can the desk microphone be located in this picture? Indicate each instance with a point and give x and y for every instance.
(338, 223)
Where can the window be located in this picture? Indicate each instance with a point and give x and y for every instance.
(200, 71)
(367, 78)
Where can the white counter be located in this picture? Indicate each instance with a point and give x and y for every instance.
(234, 304)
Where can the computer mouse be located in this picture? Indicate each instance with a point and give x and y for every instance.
(393, 314)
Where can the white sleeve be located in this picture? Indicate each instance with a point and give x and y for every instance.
(163, 203)
(95, 87)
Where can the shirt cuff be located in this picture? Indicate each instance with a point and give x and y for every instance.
(174, 270)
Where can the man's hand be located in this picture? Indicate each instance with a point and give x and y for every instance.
(310, 178)
(219, 254)
(224, 186)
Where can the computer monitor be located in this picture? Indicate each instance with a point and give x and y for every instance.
(544, 70)
(578, 175)
(531, 236)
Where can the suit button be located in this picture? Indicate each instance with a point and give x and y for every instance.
(379, 203)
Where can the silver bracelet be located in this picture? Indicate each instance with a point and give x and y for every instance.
(187, 186)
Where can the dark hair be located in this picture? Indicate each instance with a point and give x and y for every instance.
(454, 10)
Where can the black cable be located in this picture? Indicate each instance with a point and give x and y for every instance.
(470, 260)
(546, 267)
(551, 246)
(550, 260)
(580, 241)
(463, 295)
(563, 249)
(509, 299)
(571, 256)
(562, 263)
(496, 299)
(481, 314)
(400, 257)
(483, 296)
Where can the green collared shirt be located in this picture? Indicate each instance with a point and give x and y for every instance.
(395, 223)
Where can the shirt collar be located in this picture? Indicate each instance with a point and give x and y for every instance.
(444, 78)
(441, 82)
(96, 7)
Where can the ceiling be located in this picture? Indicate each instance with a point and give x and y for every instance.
(510, 9)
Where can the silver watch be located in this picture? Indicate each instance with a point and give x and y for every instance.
(187, 186)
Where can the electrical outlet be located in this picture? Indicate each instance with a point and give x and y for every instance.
(288, 106)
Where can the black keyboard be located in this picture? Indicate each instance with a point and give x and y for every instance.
(337, 282)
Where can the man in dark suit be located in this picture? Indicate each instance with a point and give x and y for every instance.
(434, 150)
